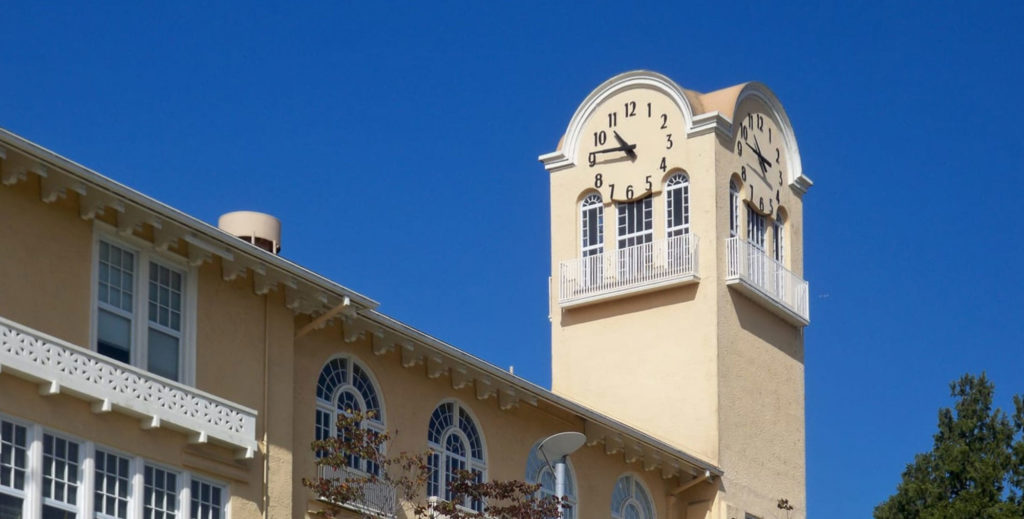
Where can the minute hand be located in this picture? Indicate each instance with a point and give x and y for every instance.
(628, 147)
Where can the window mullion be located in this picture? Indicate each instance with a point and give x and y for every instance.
(140, 354)
(138, 484)
(33, 504)
(185, 496)
(87, 480)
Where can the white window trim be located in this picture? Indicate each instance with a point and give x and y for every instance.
(472, 463)
(684, 188)
(377, 424)
(32, 495)
(146, 252)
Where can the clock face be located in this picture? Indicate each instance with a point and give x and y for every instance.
(761, 153)
(629, 143)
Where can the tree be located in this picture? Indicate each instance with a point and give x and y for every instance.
(401, 479)
(976, 466)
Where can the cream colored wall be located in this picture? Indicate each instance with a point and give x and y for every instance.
(45, 268)
(45, 283)
(761, 384)
(649, 360)
(409, 397)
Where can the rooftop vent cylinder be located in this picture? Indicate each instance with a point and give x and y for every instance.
(259, 229)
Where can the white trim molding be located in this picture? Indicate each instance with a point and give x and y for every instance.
(758, 90)
(61, 367)
(565, 157)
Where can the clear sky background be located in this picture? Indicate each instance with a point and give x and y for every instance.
(398, 144)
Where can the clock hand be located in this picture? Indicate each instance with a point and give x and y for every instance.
(626, 148)
(629, 147)
(763, 162)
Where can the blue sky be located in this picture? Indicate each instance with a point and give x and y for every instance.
(398, 144)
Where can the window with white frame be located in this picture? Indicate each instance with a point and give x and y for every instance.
(677, 205)
(345, 387)
(66, 489)
(591, 225)
(540, 471)
(778, 241)
(734, 209)
(635, 229)
(630, 500)
(141, 310)
(755, 228)
(455, 444)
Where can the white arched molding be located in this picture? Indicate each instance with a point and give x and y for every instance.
(759, 91)
(540, 471)
(346, 385)
(565, 157)
(455, 442)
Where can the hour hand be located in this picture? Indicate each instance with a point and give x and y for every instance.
(628, 148)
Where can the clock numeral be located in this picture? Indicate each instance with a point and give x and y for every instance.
(648, 110)
(743, 131)
(629, 192)
(751, 193)
(612, 188)
(760, 122)
(771, 205)
(739, 148)
(598, 180)
(662, 166)
(664, 121)
(630, 110)
(780, 177)
(777, 155)
(750, 120)
(668, 143)
(743, 174)
(777, 197)
(760, 204)
(591, 159)
(613, 119)
(600, 138)
(650, 185)
(769, 135)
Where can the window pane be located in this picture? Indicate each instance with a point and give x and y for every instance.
(161, 494)
(163, 354)
(50, 512)
(13, 459)
(114, 336)
(60, 469)
(112, 477)
(10, 507)
(206, 500)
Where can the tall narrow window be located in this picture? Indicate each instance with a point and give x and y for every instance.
(734, 209)
(778, 240)
(539, 472)
(113, 474)
(677, 205)
(592, 225)
(13, 468)
(636, 232)
(60, 477)
(207, 500)
(345, 387)
(630, 500)
(161, 496)
(455, 444)
(755, 228)
(140, 308)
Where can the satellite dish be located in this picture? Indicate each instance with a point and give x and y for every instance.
(560, 445)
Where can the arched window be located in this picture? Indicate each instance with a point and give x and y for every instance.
(630, 500)
(591, 225)
(734, 209)
(540, 472)
(455, 444)
(677, 205)
(344, 386)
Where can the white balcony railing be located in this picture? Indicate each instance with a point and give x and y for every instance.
(114, 386)
(767, 281)
(629, 270)
(379, 499)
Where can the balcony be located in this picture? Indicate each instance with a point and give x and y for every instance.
(110, 385)
(378, 500)
(631, 270)
(766, 281)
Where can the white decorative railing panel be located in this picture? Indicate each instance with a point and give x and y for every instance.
(750, 266)
(115, 386)
(648, 266)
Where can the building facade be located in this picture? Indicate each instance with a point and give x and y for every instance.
(153, 365)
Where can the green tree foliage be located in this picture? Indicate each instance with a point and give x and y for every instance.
(975, 469)
(398, 485)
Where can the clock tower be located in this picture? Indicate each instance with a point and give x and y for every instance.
(677, 294)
